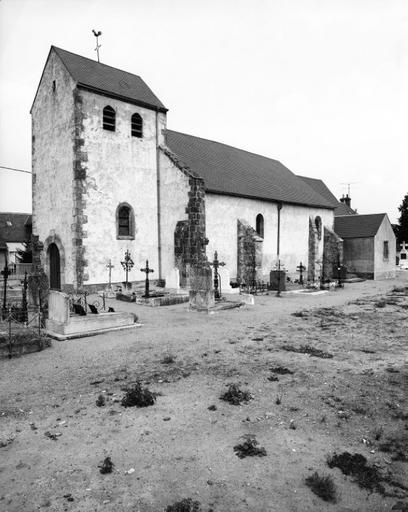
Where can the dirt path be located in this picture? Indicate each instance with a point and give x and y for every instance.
(178, 448)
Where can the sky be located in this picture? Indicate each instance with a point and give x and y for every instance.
(320, 85)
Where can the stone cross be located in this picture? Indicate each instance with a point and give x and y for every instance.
(127, 265)
(216, 264)
(301, 268)
(147, 271)
(110, 267)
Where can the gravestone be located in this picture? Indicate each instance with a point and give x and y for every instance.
(225, 279)
(173, 279)
(201, 287)
(62, 325)
(277, 280)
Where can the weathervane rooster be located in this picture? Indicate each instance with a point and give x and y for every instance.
(97, 34)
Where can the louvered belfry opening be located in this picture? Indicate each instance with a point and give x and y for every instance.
(137, 126)
(109, 119)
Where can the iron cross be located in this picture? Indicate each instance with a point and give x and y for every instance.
(216, 264)
(110, 267)
(127, 265)
(301, 268)
(146, 270)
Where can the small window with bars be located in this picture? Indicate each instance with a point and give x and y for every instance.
(386, 250)
(109, 119)
(137, 126)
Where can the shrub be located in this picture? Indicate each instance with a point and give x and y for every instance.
(137, 396)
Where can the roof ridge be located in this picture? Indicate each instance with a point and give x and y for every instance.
(228, 146)
(95, 61)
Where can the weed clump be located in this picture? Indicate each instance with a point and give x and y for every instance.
(100, 401)
(307, 349)
(169, 359)
(281, 370)
(137, 396)
(106, 466)
(366, 476)
(249, 448)
(236, 396)
(322, 486)
(397, 446)
(185, 505)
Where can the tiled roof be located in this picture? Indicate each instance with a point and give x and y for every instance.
(114, 82)
(232, 171)
(321, 188)
(343, 209)
(358, 226)
(15, 227)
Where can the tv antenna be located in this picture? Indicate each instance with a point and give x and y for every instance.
(349, 186)
(97, 34)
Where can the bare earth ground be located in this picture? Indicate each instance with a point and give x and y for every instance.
(178, 448)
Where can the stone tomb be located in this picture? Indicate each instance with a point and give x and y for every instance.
(62, 325)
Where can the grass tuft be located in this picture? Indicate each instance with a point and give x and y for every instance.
(236, 396)
(137, 396)
(185, 505)
(322, 486)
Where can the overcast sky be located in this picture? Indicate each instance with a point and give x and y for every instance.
(321, 85)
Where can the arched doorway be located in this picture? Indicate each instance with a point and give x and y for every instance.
(55, 267)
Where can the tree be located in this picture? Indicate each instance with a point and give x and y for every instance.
(403, 220)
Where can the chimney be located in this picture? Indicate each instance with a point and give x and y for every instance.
(346, 200)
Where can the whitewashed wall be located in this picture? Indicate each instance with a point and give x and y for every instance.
(222, 213)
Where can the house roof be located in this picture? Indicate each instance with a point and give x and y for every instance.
(105, 79)
(320, 187)
(232, 171)
(15, 227)
(358, 226)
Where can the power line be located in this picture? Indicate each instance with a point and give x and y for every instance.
(12, 169)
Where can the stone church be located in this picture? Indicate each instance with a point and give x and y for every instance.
(108, 176)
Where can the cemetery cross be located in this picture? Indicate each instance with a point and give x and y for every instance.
(127, 265)
(216, 264)
(146, 270)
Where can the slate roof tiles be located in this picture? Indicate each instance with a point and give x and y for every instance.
(99, 77)
(233, 171)
(358, 226)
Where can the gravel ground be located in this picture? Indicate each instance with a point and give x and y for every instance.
(53, 436)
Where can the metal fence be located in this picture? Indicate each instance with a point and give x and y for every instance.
(21, 330)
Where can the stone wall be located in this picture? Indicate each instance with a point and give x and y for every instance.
(53, 127)
(222, 213)
(332, 254)
(384, 268)
(249, 261)
(189, 234)
(120, 169)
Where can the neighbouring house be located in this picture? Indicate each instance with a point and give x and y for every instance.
(108, 176)
(15, 233)
(369, 246)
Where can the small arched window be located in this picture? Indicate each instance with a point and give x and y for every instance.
(109, 119)
(260, 225)
(137, 126)
(125, 222)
